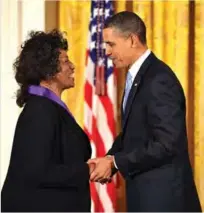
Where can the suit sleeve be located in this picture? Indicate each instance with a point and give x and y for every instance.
(35, 136)
(117, 147)
(166, 120)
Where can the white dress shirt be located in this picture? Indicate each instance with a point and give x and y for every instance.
(134, 69)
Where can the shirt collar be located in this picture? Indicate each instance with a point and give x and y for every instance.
(134, 69)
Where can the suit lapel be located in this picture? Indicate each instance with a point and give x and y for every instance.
(121, 109)
(134, 89)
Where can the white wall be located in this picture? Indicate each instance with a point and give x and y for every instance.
(33, 16)
(9, 111)
(17, 18)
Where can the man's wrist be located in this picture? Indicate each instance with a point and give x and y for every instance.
(112, 158)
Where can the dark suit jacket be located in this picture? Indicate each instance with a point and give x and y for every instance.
(151, 152)
(48, 170)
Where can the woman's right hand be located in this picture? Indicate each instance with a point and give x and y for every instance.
(91, 167)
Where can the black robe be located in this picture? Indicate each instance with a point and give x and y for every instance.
(48, 170)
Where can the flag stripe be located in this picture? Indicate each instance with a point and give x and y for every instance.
(100, 111)
(95, 197)
(106, 102)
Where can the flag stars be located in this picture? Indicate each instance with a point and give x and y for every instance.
(107, 13)
(109, 63)
(97, 11)
(92, 45)
(93, 29)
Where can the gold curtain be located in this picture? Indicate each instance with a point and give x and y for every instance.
(175, 33)
(199, 98)
(74, 18)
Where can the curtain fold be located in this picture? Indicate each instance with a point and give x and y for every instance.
(74, 19)
(144, 10)
(158, 29)
(199, 99)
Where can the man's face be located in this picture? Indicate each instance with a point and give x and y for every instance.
(118, 47)
(66, 75)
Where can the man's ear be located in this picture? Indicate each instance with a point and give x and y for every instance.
(135, 40)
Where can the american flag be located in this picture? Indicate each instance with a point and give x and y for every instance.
(100, 102)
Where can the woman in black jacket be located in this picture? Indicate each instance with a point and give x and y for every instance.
(48, 169)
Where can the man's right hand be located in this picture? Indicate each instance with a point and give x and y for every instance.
(91, 169)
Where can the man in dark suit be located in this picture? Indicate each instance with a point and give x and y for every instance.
(151, 152)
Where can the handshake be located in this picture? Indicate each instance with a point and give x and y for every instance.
(100, 169)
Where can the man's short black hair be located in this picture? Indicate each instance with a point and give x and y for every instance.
(128, 22)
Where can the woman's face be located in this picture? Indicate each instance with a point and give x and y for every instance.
(65, 77)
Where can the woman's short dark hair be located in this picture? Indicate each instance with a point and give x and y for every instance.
(38, 60)
(128, 22)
